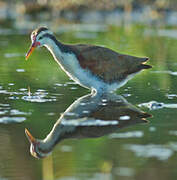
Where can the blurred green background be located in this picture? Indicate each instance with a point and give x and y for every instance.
(135, 27)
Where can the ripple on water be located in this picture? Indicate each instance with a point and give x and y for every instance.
(14, 97)
(39, 99)
(58, 84)
(51, 114)
(6, 120)
(20, 70)
(39, 96)
(171, 96)
(3, 112)
(13, 115)
(4, 105)
(152, 129)
(11, 84)
(41, 90)
(17, 112)
(4, 91)
(12, 55)
(66, 148)
(133, 134)
(23, 89)
(161, 152)
(154, 105)
(174, 73)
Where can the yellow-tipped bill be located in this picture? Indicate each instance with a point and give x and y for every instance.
(29, 52)
(33, 46)
(29, 136)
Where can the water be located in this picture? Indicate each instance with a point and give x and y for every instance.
(34, 94)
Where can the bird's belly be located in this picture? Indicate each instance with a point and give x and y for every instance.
(82, 76)
(86, 79)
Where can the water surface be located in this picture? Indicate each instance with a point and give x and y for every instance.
(35, 93)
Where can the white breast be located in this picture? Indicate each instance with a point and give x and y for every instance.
(82, 76)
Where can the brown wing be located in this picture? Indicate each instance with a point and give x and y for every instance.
(106, 63)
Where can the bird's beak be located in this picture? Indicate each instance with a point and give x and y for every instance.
(30, 137)
(33, 46)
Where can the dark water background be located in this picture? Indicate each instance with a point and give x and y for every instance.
(143, 151)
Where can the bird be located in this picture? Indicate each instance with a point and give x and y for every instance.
(94, 67)
(90, 116)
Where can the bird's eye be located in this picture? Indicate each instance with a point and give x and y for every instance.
(40, 38)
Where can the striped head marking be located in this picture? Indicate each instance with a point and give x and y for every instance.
(38, 39)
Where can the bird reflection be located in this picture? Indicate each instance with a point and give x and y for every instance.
(90, 116)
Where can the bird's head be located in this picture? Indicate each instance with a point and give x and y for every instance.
(38, 39)
(37, 147)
